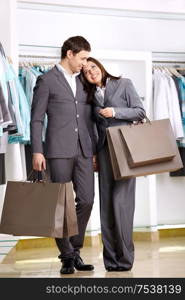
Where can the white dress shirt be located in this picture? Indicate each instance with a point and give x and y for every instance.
(71, 78)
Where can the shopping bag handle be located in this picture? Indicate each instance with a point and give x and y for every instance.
(145, 120)
(41, 176)
(148, 120)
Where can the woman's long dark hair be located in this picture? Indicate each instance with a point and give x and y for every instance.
(89, 87)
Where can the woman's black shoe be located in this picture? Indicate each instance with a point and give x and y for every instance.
(116, 269)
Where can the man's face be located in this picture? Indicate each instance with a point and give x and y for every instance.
(77, 61)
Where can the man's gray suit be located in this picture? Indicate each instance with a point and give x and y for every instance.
(117, 198)
(69, 144)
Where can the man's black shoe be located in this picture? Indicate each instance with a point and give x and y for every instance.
(67, 266)
(80, 266)
(116, 269)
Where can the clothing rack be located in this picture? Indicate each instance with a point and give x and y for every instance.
(39, 52)
(168, 62)
(36, 60)
(168, 57)
(39, 56)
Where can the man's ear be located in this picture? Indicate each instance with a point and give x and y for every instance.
(69, 53)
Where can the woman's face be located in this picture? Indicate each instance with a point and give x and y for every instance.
(93, 73)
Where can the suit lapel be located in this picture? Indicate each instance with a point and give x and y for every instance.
(78, 83)
(63, 80)
(110, 90)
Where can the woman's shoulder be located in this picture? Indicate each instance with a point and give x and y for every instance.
(122, 81)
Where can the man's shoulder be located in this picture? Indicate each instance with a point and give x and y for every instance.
(48, 75)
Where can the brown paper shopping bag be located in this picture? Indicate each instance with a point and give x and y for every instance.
(143, 149)
(39, 209)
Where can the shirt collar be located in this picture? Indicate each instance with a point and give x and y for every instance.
(98, 88)
(62, 69)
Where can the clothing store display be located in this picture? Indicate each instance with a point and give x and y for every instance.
(169, 100)
(14, 113)
(165, 101)
(178, 92)
(11, 87)
(180, 84)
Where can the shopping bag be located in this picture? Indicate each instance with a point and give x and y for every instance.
(148, 143)
(39, 208)
(143, 149)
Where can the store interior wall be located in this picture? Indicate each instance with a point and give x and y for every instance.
(51, 28)
(176, 6)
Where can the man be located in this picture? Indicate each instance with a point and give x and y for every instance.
(69, 139)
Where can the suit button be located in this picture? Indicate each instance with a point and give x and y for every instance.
(76, 129)
(77, 116)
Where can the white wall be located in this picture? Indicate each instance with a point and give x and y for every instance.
(177, 6)
(170, 199)
(103, 32)
(8, 29)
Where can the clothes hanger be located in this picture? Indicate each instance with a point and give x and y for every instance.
(174, 72)
(167, 71)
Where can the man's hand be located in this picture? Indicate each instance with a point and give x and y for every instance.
(39, 162)
(106, 112)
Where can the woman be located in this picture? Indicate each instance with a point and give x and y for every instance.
(116, 102)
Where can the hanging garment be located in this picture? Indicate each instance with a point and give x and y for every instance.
(28, 76)
(181, 143)
(22, 110)
(3, 142)
(181, 84)
(178, 92)
(166, 103)
(2, 169)
(5, 114)
(13, 162)
(180, 172)
(19, 101)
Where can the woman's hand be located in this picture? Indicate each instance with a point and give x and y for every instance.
(106, 112)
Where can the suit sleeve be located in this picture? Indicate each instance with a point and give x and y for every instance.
(38, 110)
(94, 138)
(135, 110)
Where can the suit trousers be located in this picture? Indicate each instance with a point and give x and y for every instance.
(79, 170)
(117, 204)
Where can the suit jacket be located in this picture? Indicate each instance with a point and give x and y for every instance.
(69, 117)
(122, 96)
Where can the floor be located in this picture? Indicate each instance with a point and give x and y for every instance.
(165, 258)
(7, 242)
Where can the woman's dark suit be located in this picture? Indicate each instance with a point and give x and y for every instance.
(117, 198)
